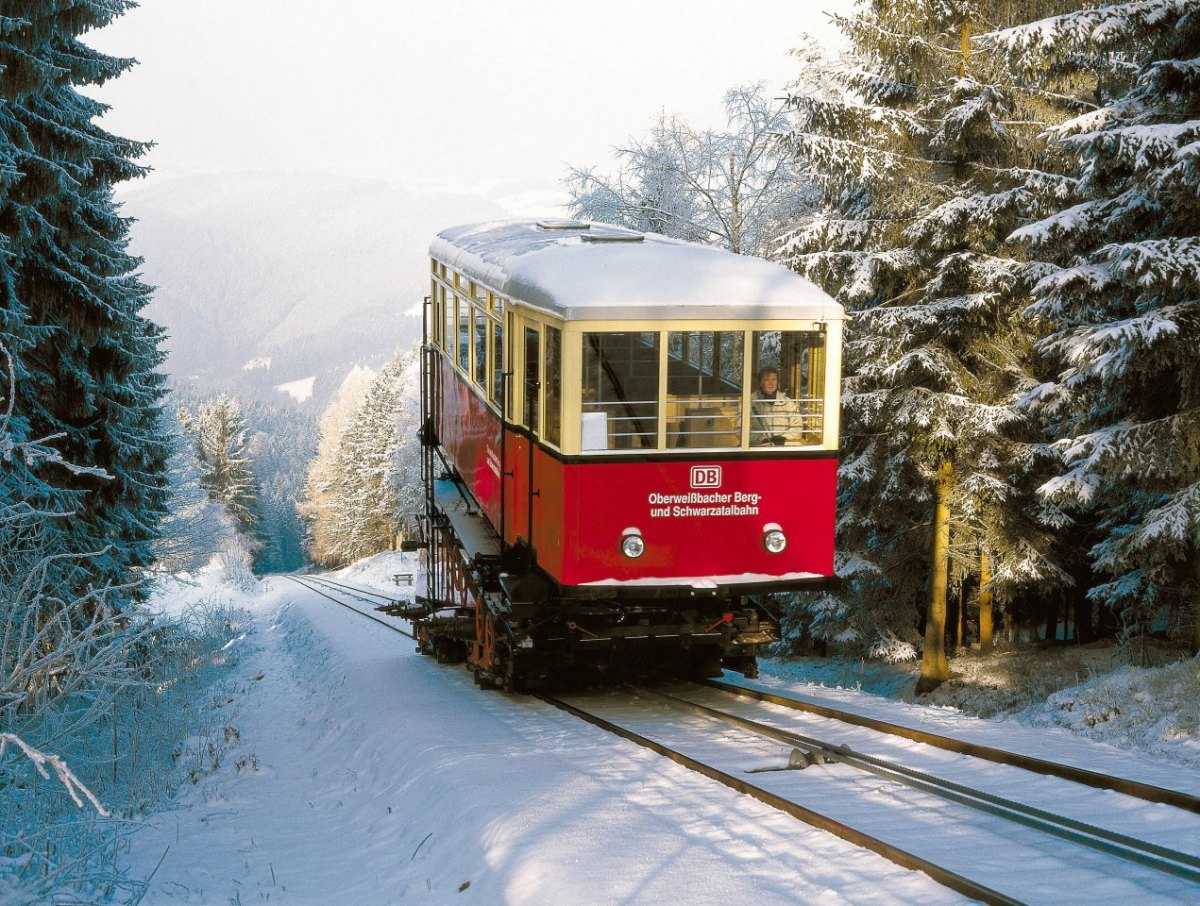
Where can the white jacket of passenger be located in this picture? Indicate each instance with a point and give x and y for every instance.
(777, 420)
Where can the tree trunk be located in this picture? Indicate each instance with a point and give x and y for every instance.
(962, 611)
(985, 603)
(935, 668)
(964, 47)
(1051, 621)
(1085, 630)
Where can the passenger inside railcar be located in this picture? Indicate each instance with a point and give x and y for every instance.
(787, 405)
(777, 417)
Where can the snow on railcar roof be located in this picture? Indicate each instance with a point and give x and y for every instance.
(582, 271)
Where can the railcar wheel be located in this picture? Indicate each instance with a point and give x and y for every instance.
(511, 679)
(449, 651)
(746, 666)
(708, 666)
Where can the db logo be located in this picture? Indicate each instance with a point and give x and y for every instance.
(706, 476)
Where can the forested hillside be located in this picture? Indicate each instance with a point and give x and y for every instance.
(268, 278)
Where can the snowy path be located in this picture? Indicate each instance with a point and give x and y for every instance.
(383, 777)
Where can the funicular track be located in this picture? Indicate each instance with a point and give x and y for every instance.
(338, 592)
(1123, 853)
(1125, 785)
(1179, 870)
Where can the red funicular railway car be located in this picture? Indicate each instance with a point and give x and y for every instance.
(605, 486)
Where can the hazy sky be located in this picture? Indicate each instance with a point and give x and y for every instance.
(494, 98)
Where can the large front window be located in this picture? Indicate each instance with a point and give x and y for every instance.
(788, 399)
(704, 388)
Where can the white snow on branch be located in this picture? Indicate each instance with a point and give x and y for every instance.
(66, 776)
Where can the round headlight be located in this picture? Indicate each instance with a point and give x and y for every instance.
(633, 546)
(774, 541)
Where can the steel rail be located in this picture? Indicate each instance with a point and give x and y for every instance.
(350, 588)
(1129, 787)
(1160, 858)
(317, 591)
(901, 857)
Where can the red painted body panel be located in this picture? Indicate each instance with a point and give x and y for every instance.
(693, 532)
(698, 518)
(469, 432)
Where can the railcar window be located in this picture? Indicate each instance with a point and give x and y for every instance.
(481, 333)
(464, 335)
(447, 320)
(530, 390)
(435, 313)
(704, 388)
(620, 391)
(788, 400)
(553, 382)
(496, 390)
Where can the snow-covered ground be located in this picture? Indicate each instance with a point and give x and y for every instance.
(359, 772)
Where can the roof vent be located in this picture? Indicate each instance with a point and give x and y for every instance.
(556, 224)
(613, 234)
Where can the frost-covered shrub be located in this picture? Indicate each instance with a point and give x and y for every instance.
(894, 650)
(1153, 709)
(132, 733)
(236, 562)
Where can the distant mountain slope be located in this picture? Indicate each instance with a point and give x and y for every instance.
(309, 271)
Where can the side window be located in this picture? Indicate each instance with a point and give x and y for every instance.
(529, 413)
(496, 389)
(481, 334)
(435, 312)
(464, 336)
(447, 320)
(553, 382)
(620, 391)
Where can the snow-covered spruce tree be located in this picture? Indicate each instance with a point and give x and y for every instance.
(368, 515)
(365, 479)
(192, 529)
(1124, 300)
(69, 295)
(282, 531)
(738, 189)
(319, 506)
(282, 445)
(219, 432)
(407, 485)
(921, 163)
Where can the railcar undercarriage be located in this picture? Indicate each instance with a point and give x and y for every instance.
(518, 630)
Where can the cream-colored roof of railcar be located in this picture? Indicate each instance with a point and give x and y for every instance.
(600, 272)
